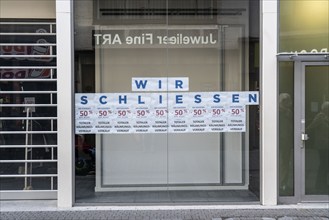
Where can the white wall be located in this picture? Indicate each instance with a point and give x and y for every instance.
(65, 100)
(269, 87)
(27, 9)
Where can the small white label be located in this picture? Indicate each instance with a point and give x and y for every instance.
(29, 100)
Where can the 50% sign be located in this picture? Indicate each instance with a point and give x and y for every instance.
(161, 112)
(85, 113)
(199, 112)
(237, 111)
(123, 113)
(141, 113)
(180, 112)
(218, 112)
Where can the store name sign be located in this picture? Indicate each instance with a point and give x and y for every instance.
(149, 38)
(185, 37)
(323, 50)
(162, 112)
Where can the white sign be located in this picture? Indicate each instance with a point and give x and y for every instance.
(160, 84)
(187, 112)
(30, 101)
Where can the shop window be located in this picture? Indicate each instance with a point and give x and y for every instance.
(304, 26)
(152, 151)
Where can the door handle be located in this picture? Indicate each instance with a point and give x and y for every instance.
(305, 137)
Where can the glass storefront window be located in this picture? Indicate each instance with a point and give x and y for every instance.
(303, 31)
(156, 67)
(317, 126)
(286, 129)
(304, 26)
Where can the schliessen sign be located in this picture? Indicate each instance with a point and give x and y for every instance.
(174, 112)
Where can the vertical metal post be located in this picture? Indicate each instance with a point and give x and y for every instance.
(26, 146)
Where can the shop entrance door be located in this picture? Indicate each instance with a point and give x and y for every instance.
(311, 131)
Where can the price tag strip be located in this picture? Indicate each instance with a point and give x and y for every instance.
(186, 112)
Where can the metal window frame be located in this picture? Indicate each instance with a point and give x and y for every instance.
(268, 123)
(301, 60)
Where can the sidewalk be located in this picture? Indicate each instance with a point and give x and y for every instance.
(35, 210)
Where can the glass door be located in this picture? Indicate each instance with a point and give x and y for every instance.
(314, 130)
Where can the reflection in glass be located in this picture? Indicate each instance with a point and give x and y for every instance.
(317, 128)
(286, 129)
(304, 25)
(167, 167)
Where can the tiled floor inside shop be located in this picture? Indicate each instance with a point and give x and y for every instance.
(85, 194)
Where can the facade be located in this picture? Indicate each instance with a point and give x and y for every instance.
(164, 102)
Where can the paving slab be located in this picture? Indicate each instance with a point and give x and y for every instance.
(48, 210)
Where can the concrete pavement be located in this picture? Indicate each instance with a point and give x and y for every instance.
(48, 209)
